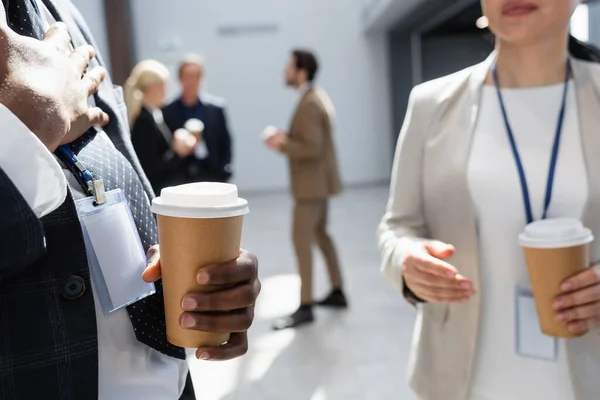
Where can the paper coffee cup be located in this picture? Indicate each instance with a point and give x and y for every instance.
(555, 249)
(268, 132)
(199, 224)
(195, 126)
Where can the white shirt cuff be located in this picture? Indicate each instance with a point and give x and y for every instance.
(30, 166)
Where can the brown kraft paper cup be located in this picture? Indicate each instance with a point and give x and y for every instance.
(186, 245)
(548, 268)
(554, 251)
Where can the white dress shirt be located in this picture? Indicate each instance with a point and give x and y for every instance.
(499, 373)
(128, 369)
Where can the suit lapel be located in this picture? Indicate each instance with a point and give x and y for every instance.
(588, 104)
(584, 352)
(301, 103)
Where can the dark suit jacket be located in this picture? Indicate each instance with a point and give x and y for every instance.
(218, 166)
(311, 149)
(152, 143)
(48, 338)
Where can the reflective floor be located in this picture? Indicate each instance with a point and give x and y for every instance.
(358, 354)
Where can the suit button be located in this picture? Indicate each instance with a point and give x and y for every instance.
(73, 288)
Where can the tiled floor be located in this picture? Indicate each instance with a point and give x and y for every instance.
(358, 354)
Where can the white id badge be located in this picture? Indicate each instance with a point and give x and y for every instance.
(530, 341)
(115, 252)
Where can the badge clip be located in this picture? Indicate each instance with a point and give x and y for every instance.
(97, 189)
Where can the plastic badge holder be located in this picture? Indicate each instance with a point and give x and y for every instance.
(115, 253)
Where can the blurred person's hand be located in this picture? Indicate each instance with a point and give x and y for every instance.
(579, 305)
(227, 309)
(432, 279)
(45, 85)
(184, 143)
(277, 140)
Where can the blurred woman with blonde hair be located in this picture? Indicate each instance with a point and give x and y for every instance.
(160, 152)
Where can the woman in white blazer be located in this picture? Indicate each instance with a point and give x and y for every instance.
(449, 237)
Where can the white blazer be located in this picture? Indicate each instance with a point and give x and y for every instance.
(430, 199)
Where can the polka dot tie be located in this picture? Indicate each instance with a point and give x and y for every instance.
(102, 159)
(25, 18)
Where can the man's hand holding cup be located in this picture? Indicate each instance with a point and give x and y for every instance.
(274, 137)
(227, 308)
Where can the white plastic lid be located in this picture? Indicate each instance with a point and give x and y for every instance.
(200, 200)
(194, 125)
(555, 233)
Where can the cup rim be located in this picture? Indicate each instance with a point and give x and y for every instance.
(585, 237)
(237, 209)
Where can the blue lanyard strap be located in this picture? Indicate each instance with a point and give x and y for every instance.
(85, 178)
(515, 150)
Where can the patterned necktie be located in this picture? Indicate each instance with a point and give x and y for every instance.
(96, 151)
(25, 18)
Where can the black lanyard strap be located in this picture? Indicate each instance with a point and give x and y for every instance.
(515, 150)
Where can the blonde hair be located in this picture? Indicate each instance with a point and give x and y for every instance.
(145, 74)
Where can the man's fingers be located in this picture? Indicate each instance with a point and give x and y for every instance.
(240, 270)
(233, 321)
(93, 79)
(232, 298)
(81, 57)
(236, 347)
(97, 117)
(58, 35)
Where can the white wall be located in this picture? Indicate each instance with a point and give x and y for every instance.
(247, 70)
(381, 15)
(93, 12)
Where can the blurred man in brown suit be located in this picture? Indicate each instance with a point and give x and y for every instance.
(315, 178)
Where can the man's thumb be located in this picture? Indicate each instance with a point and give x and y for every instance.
(439, 249)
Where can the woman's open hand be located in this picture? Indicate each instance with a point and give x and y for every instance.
(432, 279)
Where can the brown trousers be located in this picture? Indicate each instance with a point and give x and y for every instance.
(310, 227)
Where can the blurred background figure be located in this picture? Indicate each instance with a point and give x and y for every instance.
(315, 178)
(161, 153)
(212, 158)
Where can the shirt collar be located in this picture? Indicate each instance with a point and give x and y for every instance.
(305, 88)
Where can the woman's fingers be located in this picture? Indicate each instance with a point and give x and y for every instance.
(431, 265)
(423, 278)
(438, 295)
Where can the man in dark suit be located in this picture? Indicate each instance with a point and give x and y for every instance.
(55, 342)
(212, 161)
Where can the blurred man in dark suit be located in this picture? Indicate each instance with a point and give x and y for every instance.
(212, 160)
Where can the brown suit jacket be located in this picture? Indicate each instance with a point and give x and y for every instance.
(311, 150)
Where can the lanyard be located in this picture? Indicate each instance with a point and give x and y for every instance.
(92, 185)
(555, 147)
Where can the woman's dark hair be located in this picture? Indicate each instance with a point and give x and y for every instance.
(583, 51)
